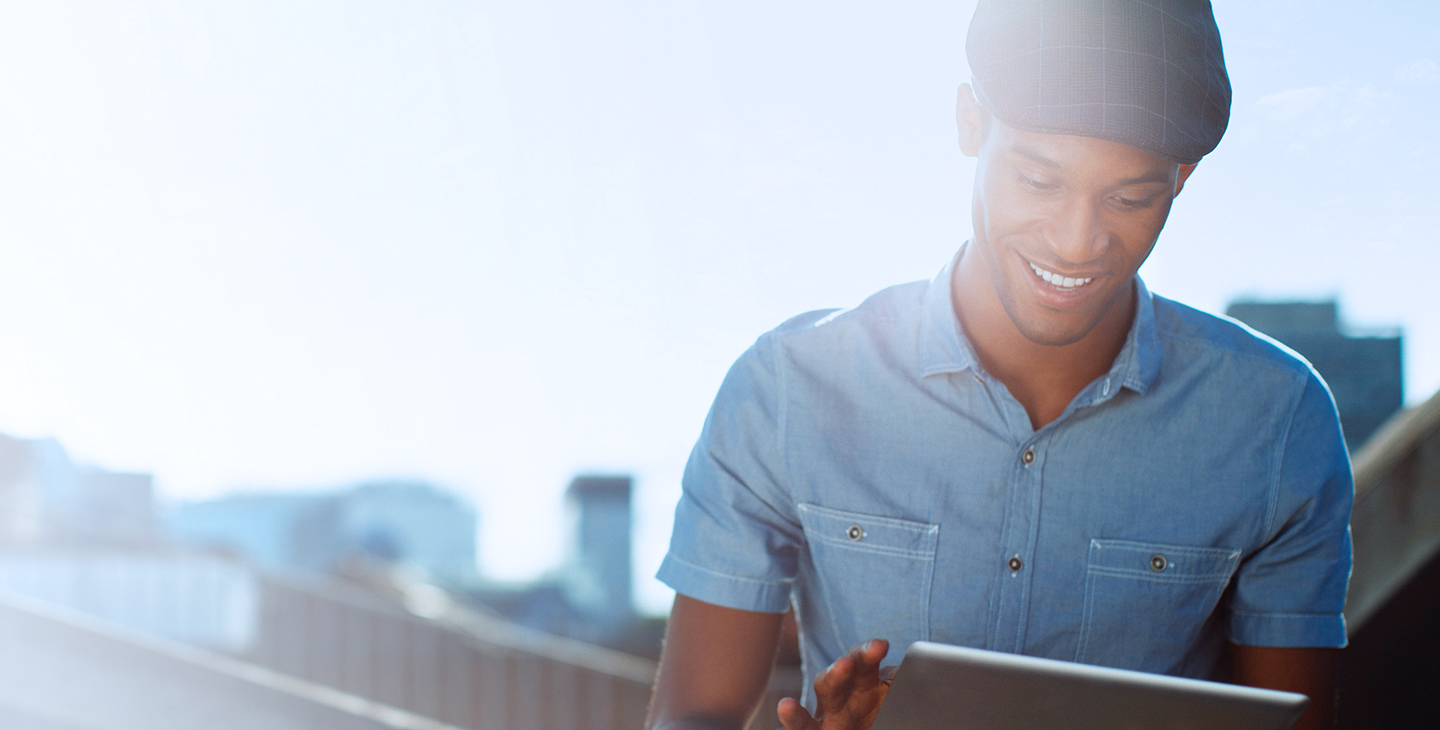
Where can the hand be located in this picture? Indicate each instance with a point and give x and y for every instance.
(847, 694)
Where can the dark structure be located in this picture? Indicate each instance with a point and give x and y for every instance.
(1363, 371)
(1391, 671)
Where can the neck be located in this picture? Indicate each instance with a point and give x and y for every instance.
(1043, 378)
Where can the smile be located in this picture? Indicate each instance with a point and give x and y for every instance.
(1058, 281)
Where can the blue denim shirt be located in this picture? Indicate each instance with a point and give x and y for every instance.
(862, 464)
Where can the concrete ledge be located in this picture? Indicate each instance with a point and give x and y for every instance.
(62, 670)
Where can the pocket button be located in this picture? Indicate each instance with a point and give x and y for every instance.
(855, 533)
(1158, 563)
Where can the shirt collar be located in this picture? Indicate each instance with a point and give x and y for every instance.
(1139, 360)
(945, 349)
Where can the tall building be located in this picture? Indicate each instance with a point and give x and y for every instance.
(588, 596)
(1363, 369)
(598, 579)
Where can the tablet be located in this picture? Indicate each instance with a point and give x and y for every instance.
(950, 687)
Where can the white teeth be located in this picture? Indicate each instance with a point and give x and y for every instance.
(1058, 281)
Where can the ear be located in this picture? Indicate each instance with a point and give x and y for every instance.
(1182, 176)
(971, 121)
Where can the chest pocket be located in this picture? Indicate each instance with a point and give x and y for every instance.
(872, 574)
(1146, 604)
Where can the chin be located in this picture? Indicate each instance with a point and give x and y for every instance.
(1052, 336)
(1052, 329)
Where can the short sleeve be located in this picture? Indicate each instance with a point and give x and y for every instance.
(737, 535)
(1291, 591)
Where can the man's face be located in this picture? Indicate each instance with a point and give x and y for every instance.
(1062, 223)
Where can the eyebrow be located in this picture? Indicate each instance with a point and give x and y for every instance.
(1154, 177)
(1036, 156)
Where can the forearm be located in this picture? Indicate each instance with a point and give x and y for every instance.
(715, 667)
(1311, 672)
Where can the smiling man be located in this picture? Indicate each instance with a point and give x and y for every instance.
(1030, 452)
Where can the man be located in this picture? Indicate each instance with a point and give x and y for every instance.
(1030, 452)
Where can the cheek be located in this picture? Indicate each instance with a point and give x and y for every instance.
(1007, 210)
(1137, 234)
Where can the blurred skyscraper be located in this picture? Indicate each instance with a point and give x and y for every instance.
(588, 596)
(597, 578)
(1363, 369)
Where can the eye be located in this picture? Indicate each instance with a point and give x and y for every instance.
(1132, 203)
(1034, 185)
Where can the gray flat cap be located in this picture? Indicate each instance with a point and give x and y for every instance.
(1146, 73)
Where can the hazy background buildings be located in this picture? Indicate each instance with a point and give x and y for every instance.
(96, 541)
(403, 522)
(353, 607)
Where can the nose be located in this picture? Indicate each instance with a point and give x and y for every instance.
(1077, 233)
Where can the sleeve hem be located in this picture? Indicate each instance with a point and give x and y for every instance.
(1308, 630)
(721, 589)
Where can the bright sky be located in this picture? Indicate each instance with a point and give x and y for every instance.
(251, 243)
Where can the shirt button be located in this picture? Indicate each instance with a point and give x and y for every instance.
(855, 533)
(1158, 563)
(1028, 457)
(1015, 564)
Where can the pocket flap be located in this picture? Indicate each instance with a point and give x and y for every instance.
(1161, 561)
(869, 532)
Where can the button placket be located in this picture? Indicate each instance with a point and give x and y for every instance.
(1019, 536)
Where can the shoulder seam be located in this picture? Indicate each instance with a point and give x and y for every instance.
(782, 409)
(829, 319)
(1280, 447)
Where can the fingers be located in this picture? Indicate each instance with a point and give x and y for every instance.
(872, 652)
(858, 671)
(887, 674)
(794, 716)
(867, 658)
(832, 687)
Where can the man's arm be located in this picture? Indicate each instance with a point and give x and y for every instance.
(715, 667)
(1291, 592)
(1311, 672)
